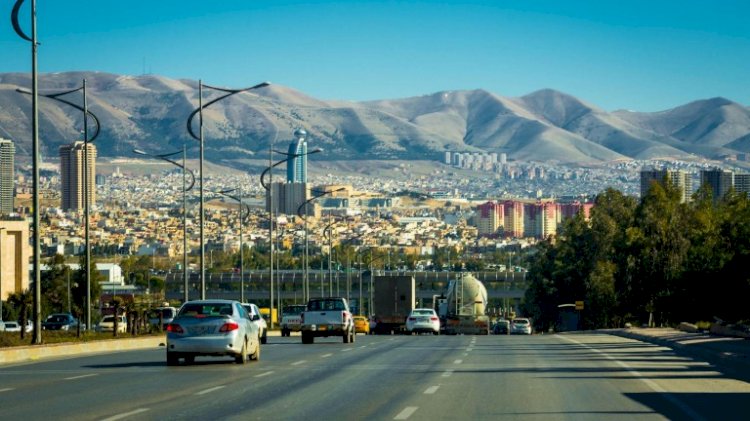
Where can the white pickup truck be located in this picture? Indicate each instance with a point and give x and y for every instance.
(327, 317)
(291, 318)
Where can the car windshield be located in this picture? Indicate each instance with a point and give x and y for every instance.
(205, 309)
(521, 321)
(318, 305)
(166, 313)
(57, 318)
(422, 312)
(108, 319)
(293, 310)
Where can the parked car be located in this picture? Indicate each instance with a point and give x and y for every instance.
(423, 320)
(163, 315)
(257, 318)
(61, 321)
(361, 325)
(108, 324)
(501, 327)
(12, 326)
(212, 328)
(520, 325)
(2, 326)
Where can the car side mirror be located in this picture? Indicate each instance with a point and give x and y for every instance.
(255, 317)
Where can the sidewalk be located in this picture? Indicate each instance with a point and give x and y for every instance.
(730, 355)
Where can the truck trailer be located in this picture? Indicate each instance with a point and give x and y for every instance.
(462, 308)
(394, 297)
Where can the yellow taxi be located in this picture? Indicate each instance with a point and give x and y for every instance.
(361, 325)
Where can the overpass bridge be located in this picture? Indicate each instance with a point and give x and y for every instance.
(503, 288)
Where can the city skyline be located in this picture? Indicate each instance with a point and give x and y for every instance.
(638, 55)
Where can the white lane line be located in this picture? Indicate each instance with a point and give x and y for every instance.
(81, 377)
(267, 373)
(469, 349)
(299, 362)
(458, 361)
(431, 390)
(209, 390)
(347, 349)
(325, 355)
(125, 414)
(406, 413)
(465, 354)
(447, 373)
(648, 382)
(6, 389)
(363, 346)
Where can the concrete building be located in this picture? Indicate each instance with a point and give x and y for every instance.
(490, 218)
(72, 158)
(540, 219)
(288, 197)
(513, 224)
(742, 183)
(14, 257)
(719, 181)
(680, 179)
(7, 155)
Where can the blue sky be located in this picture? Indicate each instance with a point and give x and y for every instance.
(640, 55)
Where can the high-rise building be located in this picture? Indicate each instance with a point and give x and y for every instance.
(682, 180)
(7, 154)
(742, 183)
(513, 212)
(540, 219)
(719, 181)
(447, 158)
(72, 175)
(296, 168)
(490, 218)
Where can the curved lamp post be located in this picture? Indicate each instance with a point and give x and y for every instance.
(269, 192)
(303, 206)
(35, 162)
(86, 193)
(241, 220)
(185, 171)
(327, 232)
(199, 137)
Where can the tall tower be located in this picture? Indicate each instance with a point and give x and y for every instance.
(719, 180)
(71, 175)
(680, 179)
(7, 154)
(296, 169)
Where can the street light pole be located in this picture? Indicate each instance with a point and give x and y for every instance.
(185, 171)
(199, 138)
(34, 162)
(1, 274)
(240, 220)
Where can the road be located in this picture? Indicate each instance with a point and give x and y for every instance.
(549, 377)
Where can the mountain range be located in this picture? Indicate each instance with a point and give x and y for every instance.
(150, 112)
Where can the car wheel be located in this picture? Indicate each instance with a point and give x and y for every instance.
(189, 359)
(284, 332)
(354, 337)
(264, 338)
(242, 357)
(173, 358)
(307, 338)
(255, 356)
(347, 337)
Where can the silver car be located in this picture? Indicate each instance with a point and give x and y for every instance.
(212, 328)
(257, 318)
(520, 325)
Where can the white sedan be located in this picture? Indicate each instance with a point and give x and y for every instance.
(521, 325)
(423, 320)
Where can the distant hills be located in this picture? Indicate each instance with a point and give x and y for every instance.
(150, 112)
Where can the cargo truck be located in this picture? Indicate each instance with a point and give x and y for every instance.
(462, 308)
(394, 297)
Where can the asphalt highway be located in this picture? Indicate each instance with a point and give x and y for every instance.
(547, 377)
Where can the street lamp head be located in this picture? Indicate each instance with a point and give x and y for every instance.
(139, 152)
(23, 91)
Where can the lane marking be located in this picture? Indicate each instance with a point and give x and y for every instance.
(406, 413)
(648, 382)
(125, 414)
(209, 390)
(81, 377)
(347, 349)
(469, 349)
(431, 390)
(299, 362)
(363, 346)
(458, 361)
(325, 355)
(267, 373)
(6, 389)
(465, 354)
(447, 373)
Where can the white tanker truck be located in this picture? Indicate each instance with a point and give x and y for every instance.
(462, 307)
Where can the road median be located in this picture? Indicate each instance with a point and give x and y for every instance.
(38, 352)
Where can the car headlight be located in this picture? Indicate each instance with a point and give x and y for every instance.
(65, 327)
